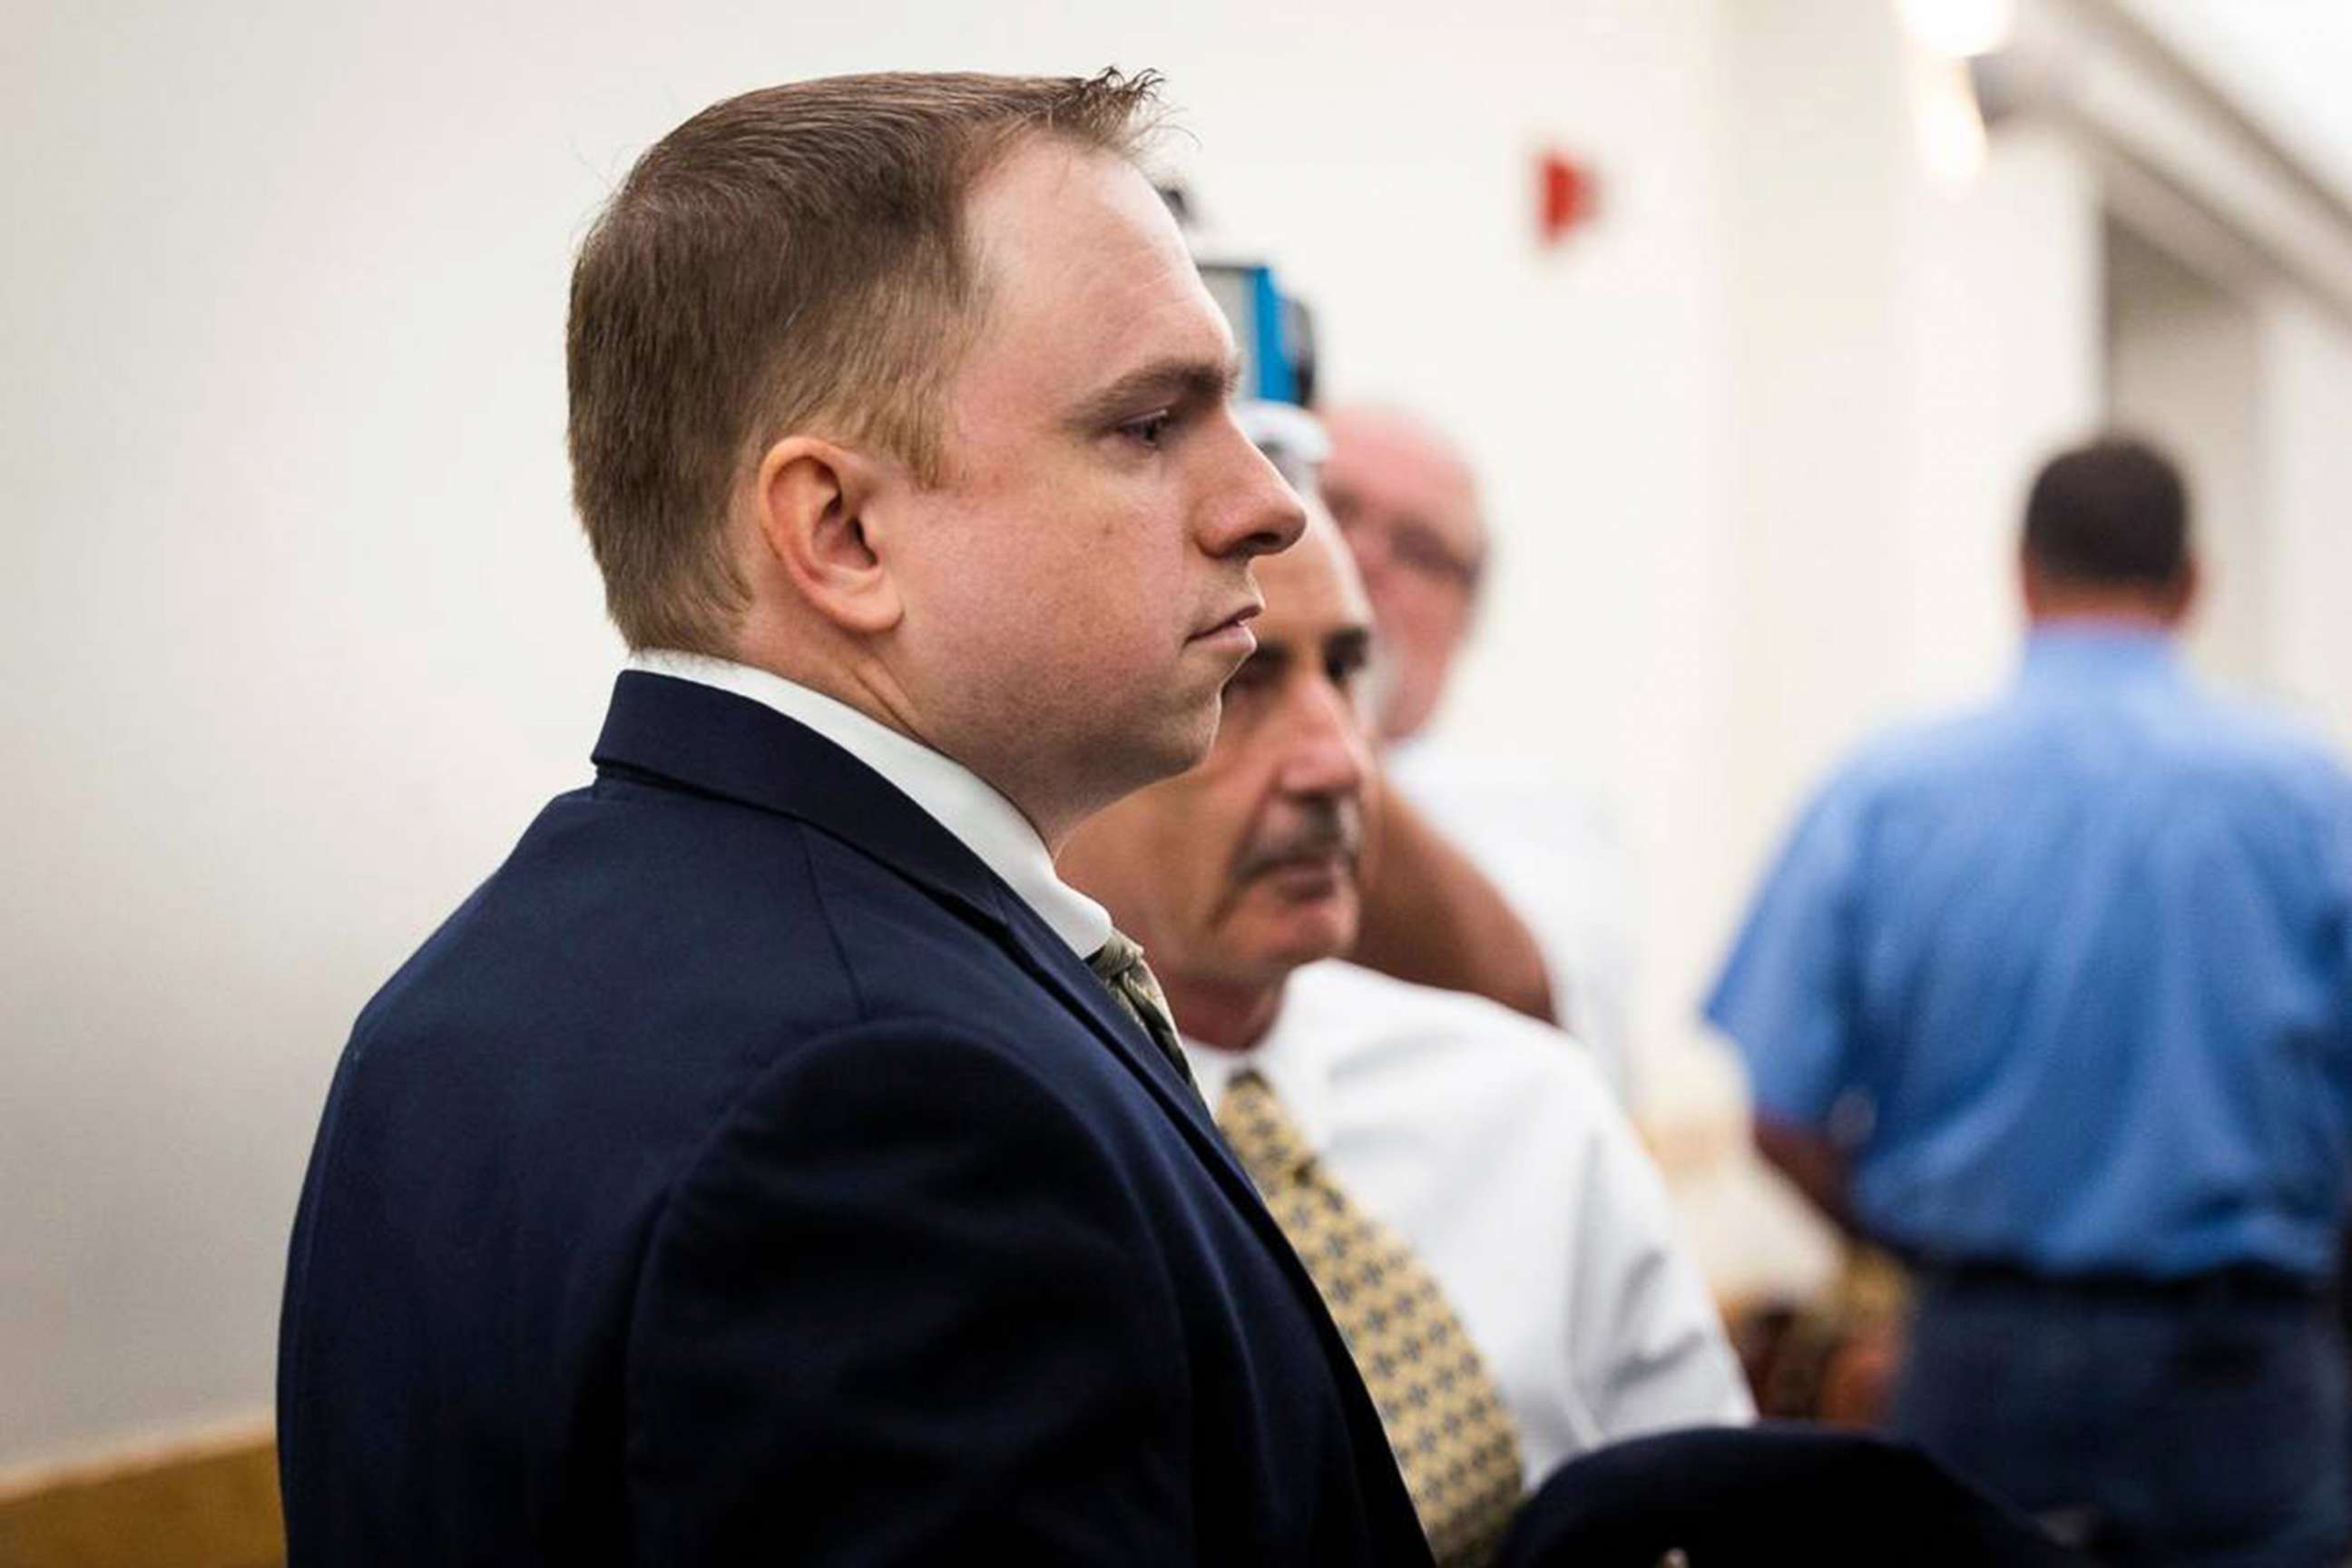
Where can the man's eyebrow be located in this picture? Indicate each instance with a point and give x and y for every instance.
(1349, 642)
(1162, 382)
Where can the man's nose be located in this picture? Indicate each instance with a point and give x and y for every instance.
(1258, 513)
(1327, 752)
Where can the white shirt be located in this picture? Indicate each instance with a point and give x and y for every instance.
(1555, 856)
(959, 800)
(1492, 1146)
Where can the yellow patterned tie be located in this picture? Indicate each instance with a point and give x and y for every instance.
(1119, 964)
(1453, 1440)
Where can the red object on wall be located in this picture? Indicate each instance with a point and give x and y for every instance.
(1567, 196)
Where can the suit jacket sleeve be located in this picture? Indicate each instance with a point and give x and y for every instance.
(906, 1308)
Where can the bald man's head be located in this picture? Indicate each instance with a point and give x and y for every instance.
(1408, 503)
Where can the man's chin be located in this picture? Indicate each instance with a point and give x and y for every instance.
(1314, 948)
(1302, 886)
(1189, 736)
(1148, 752)
(1301, 932)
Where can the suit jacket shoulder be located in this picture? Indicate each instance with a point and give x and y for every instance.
(742, 1168)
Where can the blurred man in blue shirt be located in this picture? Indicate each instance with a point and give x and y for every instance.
(2055, 999)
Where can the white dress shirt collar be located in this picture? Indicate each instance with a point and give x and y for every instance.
(1490, 1145)
(987, 823)
(1299, 1073)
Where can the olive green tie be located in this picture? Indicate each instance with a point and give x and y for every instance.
(1119, 964)
(1453, 1440)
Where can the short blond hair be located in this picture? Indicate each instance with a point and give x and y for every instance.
(790, 258)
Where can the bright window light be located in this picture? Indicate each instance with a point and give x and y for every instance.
(1951, 128)
(1960, 28)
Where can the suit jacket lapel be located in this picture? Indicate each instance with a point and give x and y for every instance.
(715, 743)
(1051, 961)
(719, 743)
(686, 735)
(1049, 958)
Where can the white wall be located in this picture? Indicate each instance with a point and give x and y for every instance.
(2004, 355)
(2183, 368)
(299, 632)
(2305, 437)
(1904, 352)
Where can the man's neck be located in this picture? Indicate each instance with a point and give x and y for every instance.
(1226, 1015)
(2053, 600)
(2106, 613)
(863, 685)
(869, 687)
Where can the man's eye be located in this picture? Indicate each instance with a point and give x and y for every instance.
(1149, 429)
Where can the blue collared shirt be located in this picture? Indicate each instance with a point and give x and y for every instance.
(2069, 977)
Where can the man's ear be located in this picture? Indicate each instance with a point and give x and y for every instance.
(812, 500)
(2032, 585)
(2180, 596)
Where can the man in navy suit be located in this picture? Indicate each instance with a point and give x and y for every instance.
(756, 1167)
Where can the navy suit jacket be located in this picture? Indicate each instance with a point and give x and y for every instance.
(1776, 1492)
(745, 1173)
